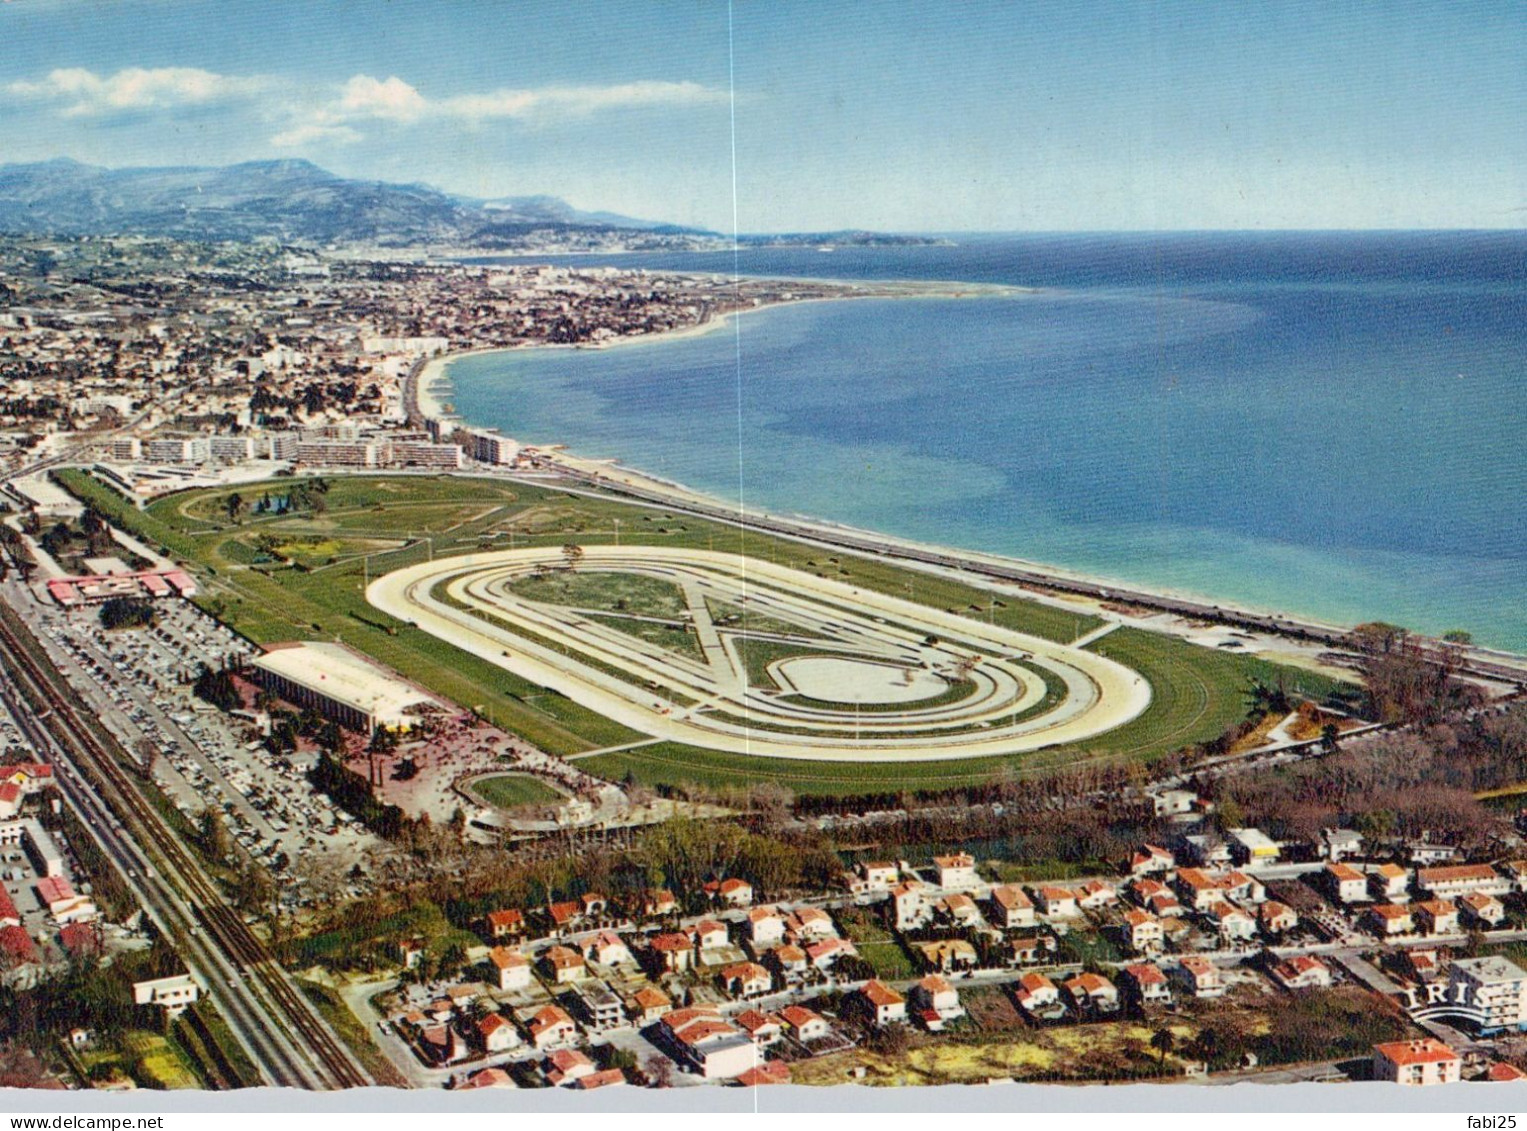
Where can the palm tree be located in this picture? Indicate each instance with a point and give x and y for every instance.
(1163, 1040)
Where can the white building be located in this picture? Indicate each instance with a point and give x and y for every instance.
(173, 994)
(341, 685)
(1495, 987)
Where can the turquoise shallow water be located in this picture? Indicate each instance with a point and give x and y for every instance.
(1330, 425)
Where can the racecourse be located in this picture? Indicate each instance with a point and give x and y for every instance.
(865, 676)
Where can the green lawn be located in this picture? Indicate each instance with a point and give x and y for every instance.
(604, 591)
(507, 791)
(1198, 692)
(876, 945)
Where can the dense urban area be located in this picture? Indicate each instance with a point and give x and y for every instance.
(257, 830)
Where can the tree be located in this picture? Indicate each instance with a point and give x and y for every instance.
(1163, 1040)
(1330, 738)
(214, 834)
(659, 1070)
(234, 505)
(572, 554)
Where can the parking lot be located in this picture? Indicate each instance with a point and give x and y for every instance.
(139, 682)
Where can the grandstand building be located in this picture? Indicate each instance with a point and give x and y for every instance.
(341, 685)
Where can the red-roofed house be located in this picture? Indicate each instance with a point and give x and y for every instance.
(764, 1028)
(1011, 909)
(746, 979)
(506, 923)
(769, 1072)
(1200, 976)
(1146, 984)
(566, 1066)
(563, 965)
(672, 952)
(1302, 971)
(877, 1003)
(805, 1024)
(934, 1001)
(1423, 1061)
(511, 967)
(496, 1033)
(551, 1027)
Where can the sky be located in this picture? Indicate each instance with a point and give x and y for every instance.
(777, 115)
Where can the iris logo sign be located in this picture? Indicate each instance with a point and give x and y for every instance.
(1440, 1001)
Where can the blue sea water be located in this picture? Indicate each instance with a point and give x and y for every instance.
(1327, 424)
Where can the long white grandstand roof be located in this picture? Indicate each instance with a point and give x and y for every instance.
(339, 674)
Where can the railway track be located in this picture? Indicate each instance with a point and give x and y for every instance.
(92, 752)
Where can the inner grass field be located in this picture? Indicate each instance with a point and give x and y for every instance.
(1198, 692)
(509, 791)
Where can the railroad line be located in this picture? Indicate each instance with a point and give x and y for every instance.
(92, 751)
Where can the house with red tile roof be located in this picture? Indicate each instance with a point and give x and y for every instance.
(672, 952)
(1301, 972)
(1386, 919)
(1092, 993)
(1199, 976)
(1142, 931)
(511, 969)
(566, 1066)
(1150, 860)
(1011, 908)
(505, 923)
(605, 1078)
(1423, 1061)
(876, 1003)
(551, 1027)
(648, 1004)
(563, 965)
(746, 979)
(956, 871)
(1038, 996)
(804, 1024)
(1276, 918)
(1146, 984)
(1435, 917)
(764, 1028)
(1482, 911)
(769, 1072)
(934, 1001)
(710, 934)
(496, 1033)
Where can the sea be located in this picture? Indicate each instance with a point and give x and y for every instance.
(1331, 425)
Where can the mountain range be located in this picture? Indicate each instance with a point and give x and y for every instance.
(296, 202)
(292, 201)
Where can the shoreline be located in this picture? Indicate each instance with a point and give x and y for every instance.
(609, 473)
(427, 388)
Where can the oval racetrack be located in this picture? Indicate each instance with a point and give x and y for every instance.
(862, 676)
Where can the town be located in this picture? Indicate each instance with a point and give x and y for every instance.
(246, 845)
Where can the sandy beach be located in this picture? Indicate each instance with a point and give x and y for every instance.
(431, 384)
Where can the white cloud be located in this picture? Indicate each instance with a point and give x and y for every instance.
(83, 93)
(579, 100)
(391, 99)
(365, 98)
(311, 133)
(303, 117)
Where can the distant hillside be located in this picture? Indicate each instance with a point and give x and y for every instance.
(291, 201)
(297, 202)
